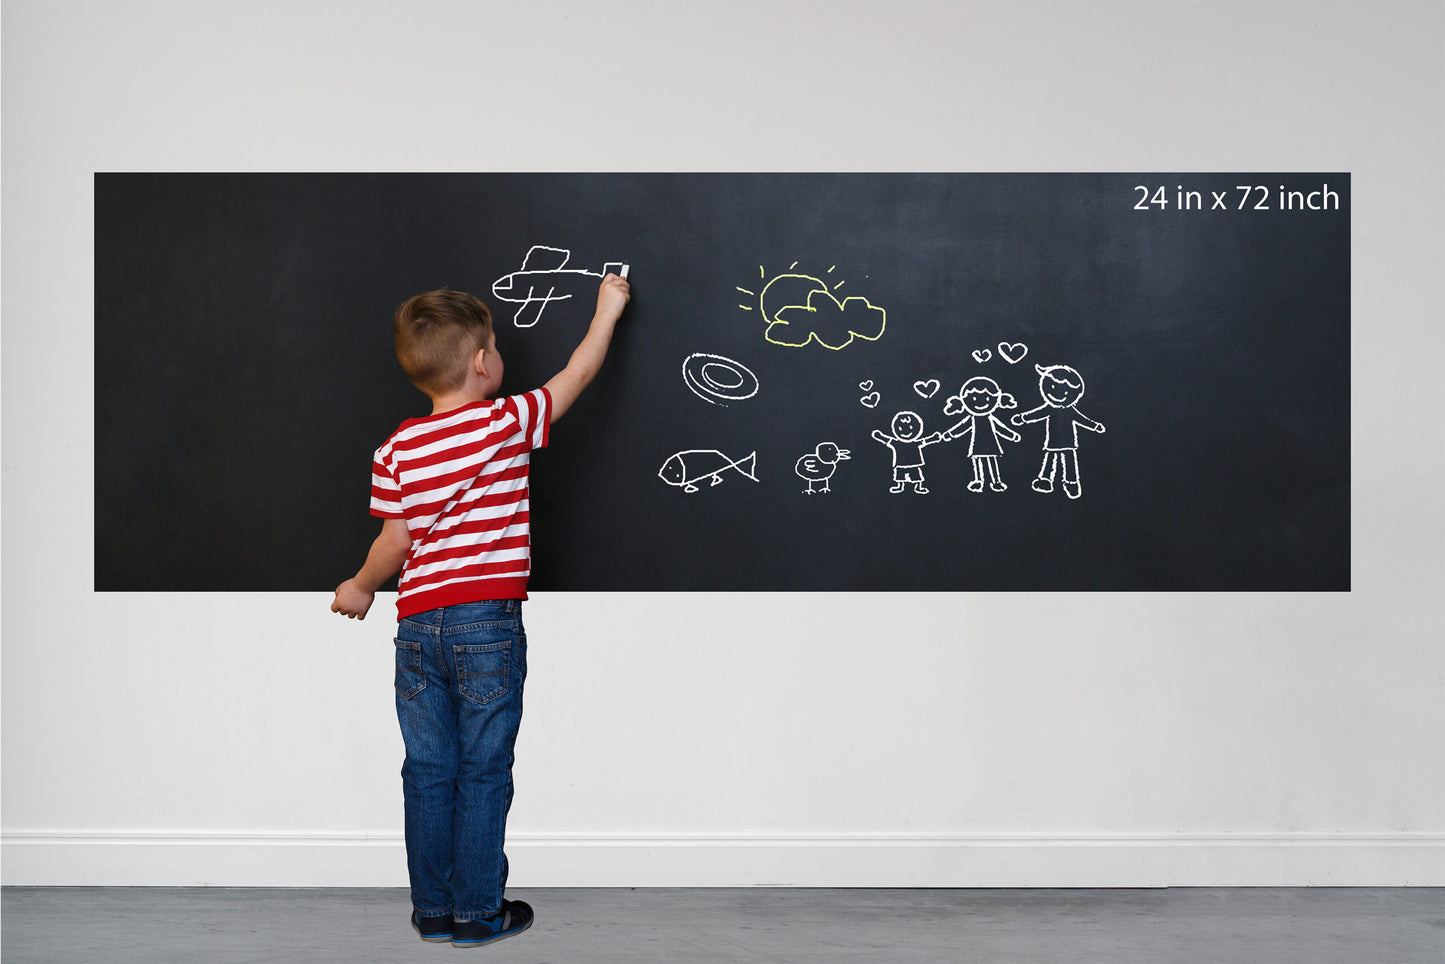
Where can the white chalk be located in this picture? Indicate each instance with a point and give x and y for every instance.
(625, 269)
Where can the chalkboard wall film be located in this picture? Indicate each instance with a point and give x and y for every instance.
(244, 321)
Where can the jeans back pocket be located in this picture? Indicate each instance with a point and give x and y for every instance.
(482, 670)
(410, 680)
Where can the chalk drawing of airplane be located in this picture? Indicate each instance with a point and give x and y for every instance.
(543, 279)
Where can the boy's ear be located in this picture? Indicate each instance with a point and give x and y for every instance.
(479, 362)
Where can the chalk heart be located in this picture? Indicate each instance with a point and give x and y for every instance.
(982, 355)
(870, 400)
(926, 389)
(1013, 352)
(866, 386)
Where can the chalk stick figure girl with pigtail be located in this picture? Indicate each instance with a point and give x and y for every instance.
(977, 401)
(1061, 388)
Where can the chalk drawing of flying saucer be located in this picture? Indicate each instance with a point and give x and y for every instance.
(718, 380)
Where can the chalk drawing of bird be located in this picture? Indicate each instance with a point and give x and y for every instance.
(819, 465)
(687, 469)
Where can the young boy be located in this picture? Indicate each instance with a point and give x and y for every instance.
(452, 489)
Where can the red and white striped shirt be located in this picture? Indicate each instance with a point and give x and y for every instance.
(459, 479)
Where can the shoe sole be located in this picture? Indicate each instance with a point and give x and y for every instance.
(433, 938)
(493, 939)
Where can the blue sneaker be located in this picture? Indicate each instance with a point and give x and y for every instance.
(514, 917)
(433, 930)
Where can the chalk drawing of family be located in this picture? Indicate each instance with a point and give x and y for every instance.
(979, 401)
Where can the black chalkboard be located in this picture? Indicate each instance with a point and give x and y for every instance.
(244, 375)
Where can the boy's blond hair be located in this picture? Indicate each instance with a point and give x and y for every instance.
(436, 333)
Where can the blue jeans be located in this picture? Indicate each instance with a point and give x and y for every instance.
(459, 675)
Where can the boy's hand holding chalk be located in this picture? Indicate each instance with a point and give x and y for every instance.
(612, 296)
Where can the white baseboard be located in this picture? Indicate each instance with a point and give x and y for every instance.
(744, 860)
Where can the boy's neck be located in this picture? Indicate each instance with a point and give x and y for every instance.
(441, 404)
(478, 386)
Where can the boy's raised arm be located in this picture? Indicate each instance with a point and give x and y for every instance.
(586, 361)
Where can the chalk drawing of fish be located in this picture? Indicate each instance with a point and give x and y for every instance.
(689, 468)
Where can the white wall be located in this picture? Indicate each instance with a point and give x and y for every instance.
(943, 739)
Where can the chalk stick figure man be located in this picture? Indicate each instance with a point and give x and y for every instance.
(907, 443)
(1061, 388)
(977, 401)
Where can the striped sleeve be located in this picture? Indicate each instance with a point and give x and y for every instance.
(533, 412)
(385, 491)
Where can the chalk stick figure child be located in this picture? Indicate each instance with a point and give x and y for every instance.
(1061, 388)
(907, 443)
(977, 401)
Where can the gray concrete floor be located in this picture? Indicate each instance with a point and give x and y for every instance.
(587, 926)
